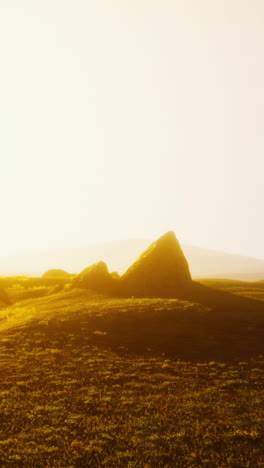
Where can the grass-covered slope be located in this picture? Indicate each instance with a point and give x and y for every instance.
(19, 288)
(69, 401)
(222, 326)
(90, 381)
(4, 298)
(254, 290)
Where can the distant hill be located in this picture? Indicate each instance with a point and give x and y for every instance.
(56, 274)
(216, 264)
(119, 255)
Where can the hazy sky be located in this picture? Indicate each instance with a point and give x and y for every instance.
(124, 119)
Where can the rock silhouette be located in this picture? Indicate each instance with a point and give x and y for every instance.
(96, 277)
(161, 271)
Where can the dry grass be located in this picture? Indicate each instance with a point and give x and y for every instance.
(88, 381)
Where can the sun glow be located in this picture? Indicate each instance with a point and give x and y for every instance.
(125, 121)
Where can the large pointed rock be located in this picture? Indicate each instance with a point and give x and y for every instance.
(161, 271)
(96, 277)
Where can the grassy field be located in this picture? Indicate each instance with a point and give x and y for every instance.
(255, 290)
(88, 381)
(19, 288)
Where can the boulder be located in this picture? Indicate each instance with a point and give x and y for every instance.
(161, 271)
(96, 277)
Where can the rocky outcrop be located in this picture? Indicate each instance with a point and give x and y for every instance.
(161, 271)
(96, 277)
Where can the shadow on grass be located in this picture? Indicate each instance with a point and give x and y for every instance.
(200, 324)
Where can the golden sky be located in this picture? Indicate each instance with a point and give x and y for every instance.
(124, 119)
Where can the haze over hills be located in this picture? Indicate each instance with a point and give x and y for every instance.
(119, 255)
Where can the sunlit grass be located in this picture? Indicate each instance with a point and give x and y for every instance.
(90, 381)
(65, 402)
(254, 290)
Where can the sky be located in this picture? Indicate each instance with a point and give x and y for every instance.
(125, 119)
